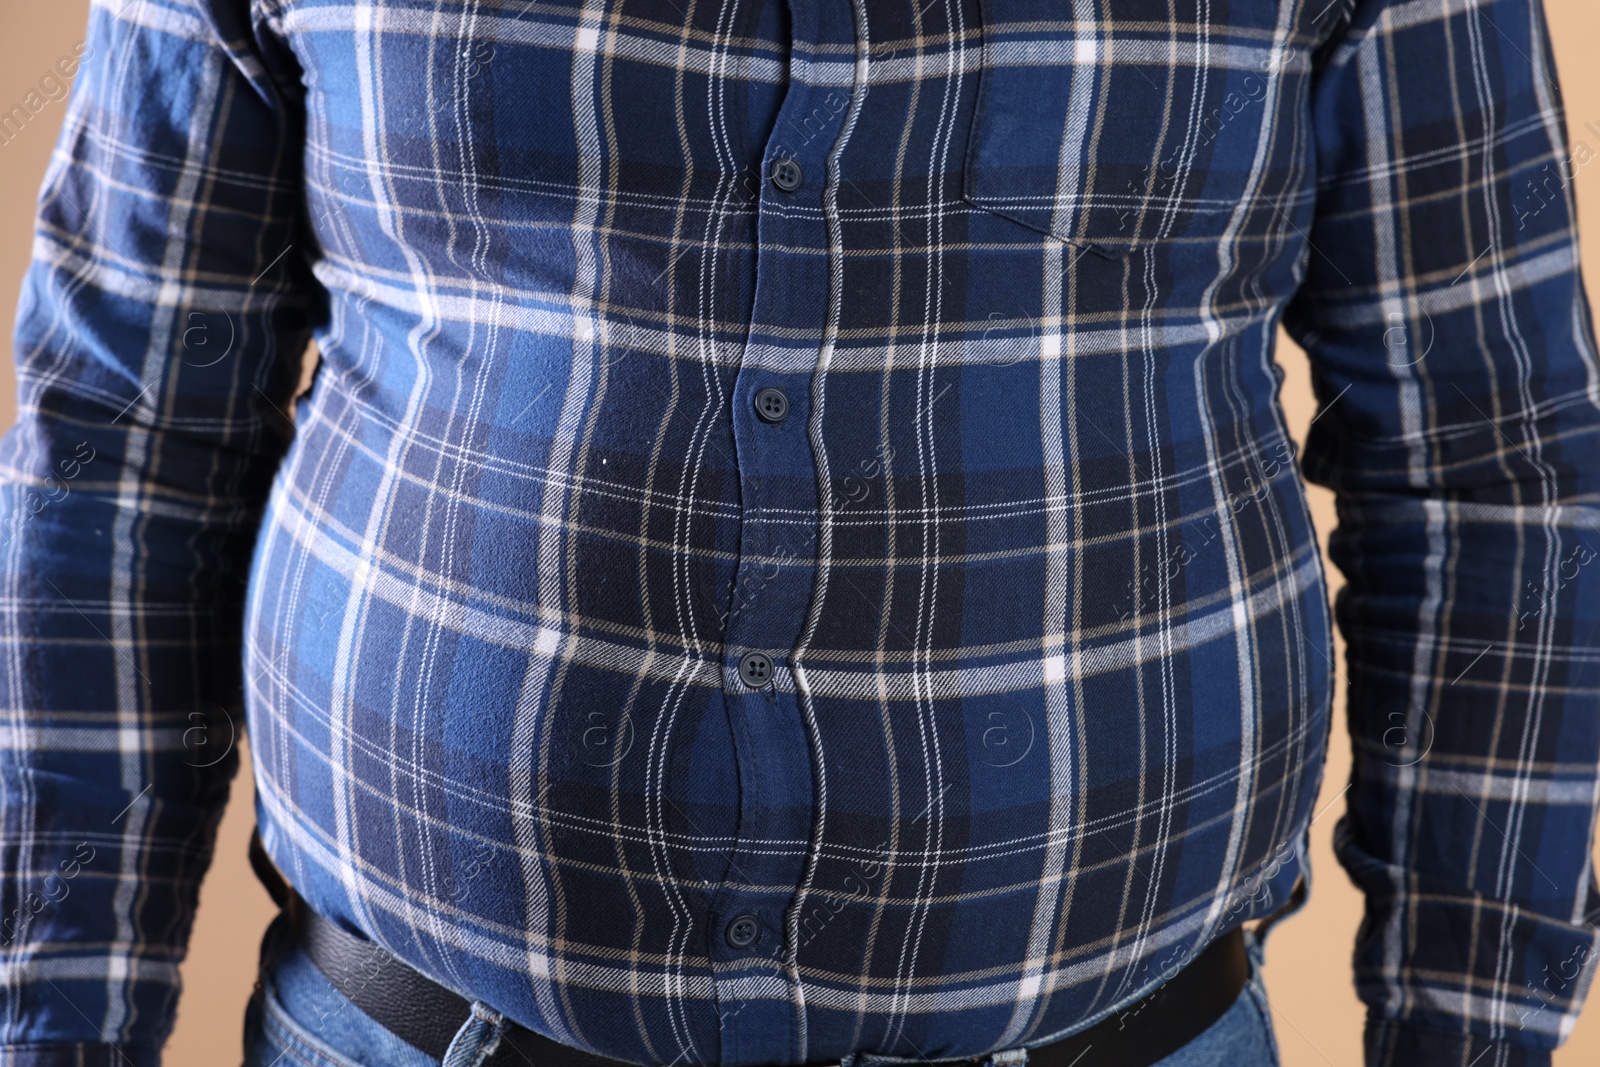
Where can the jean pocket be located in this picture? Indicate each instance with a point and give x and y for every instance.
(272, 1037)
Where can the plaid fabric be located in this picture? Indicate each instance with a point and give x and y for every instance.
(1030, 555)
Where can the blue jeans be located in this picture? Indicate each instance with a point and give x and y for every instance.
(297, 1019)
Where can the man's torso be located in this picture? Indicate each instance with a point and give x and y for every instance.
(1027, 551)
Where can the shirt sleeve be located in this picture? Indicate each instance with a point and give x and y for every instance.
(158, 338)
(1453, 358)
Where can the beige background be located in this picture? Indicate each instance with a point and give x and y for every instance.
(1317, 1016)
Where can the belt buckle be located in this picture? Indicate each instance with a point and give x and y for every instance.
(1011, 1057)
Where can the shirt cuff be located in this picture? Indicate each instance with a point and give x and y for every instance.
(1394, 1044)
(79, 1054)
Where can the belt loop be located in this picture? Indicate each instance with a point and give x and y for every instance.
(477, 1039)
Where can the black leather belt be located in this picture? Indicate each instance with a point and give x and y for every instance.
(427, 1015)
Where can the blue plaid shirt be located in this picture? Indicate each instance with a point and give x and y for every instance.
(813, 463)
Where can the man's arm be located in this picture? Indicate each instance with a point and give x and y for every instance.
(1454, 360)
(158, 341)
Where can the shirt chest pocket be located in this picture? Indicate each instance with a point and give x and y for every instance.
(1111, 124)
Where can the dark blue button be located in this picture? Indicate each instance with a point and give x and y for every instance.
(786, 175)
(772, 405)
(743, 930)
(755, 669)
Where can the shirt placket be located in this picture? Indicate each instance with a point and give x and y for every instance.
(795, 263)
